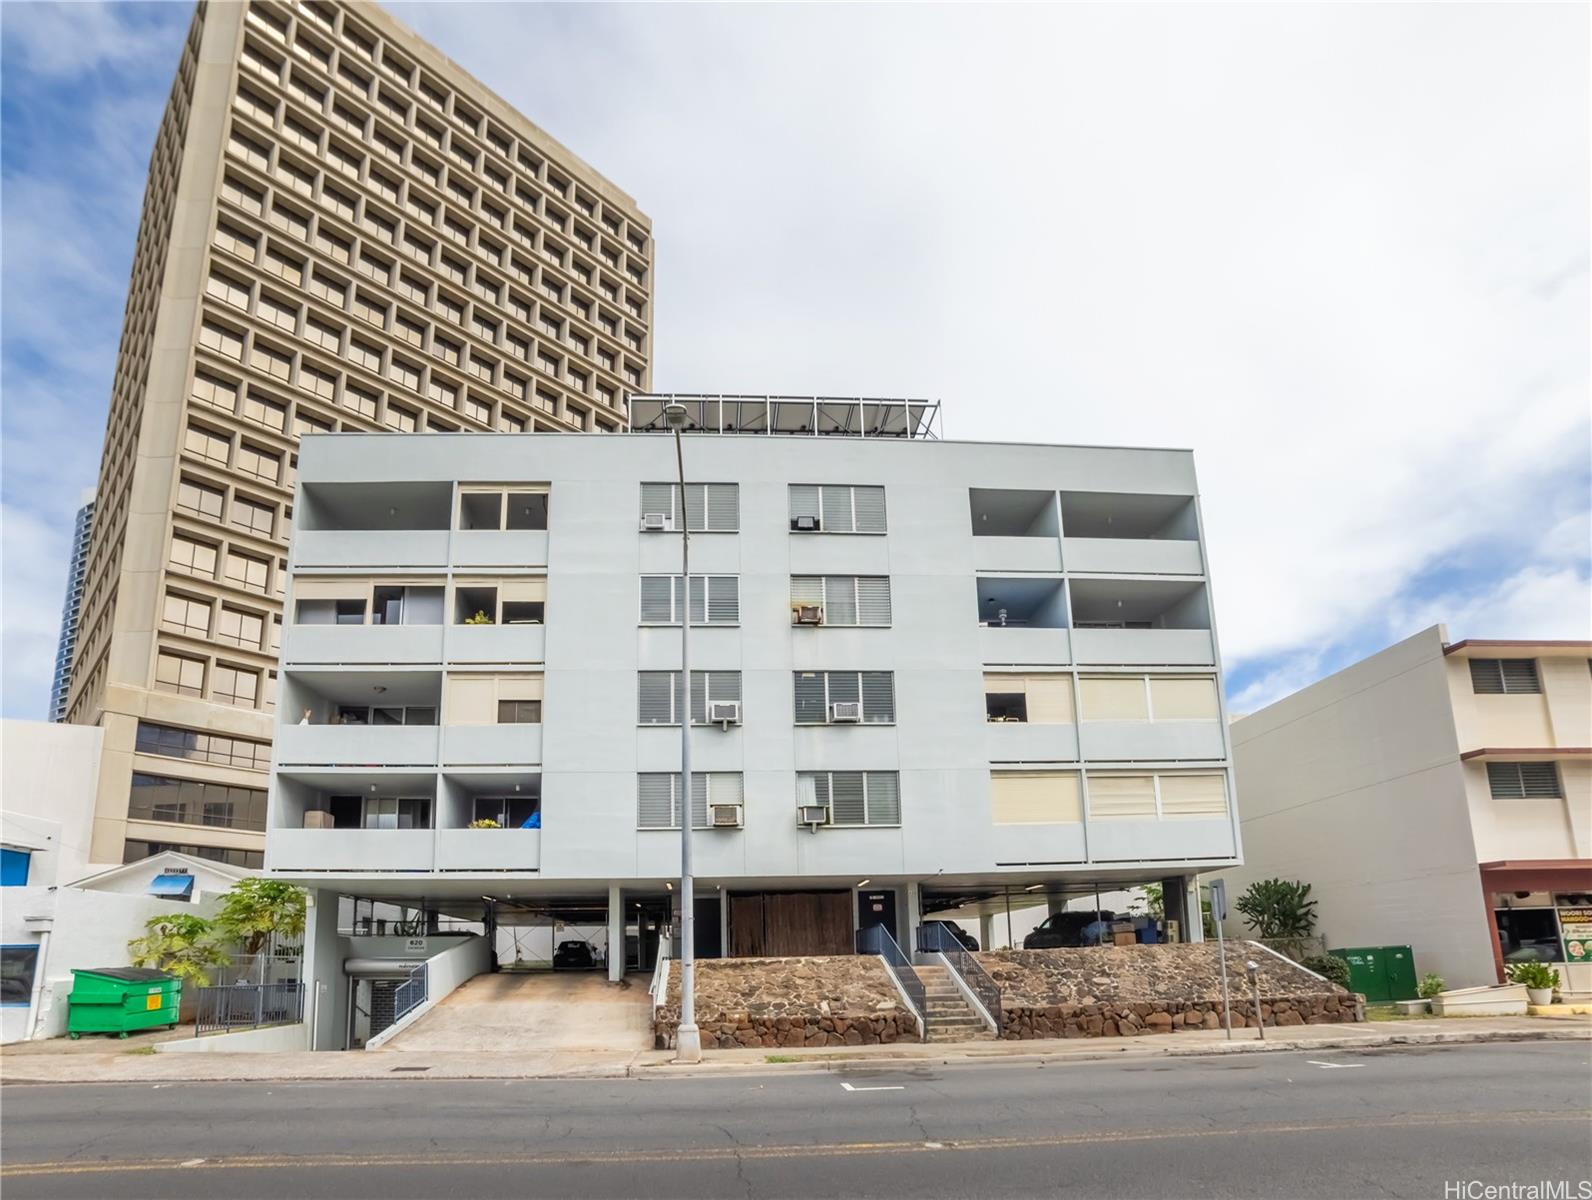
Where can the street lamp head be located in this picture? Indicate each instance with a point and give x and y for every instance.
(675, 414)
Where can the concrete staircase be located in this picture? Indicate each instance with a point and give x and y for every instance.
(950, 1017)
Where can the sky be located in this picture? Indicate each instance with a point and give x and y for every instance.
(1339, 251)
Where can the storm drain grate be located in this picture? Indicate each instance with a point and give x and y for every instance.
(397, 1069)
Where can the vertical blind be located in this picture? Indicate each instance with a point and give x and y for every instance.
(658, 797)
(815, 691)
(840, 508)
(709, 507)
(853, 797)
(658, 695)
(715, 599)
(847, 599)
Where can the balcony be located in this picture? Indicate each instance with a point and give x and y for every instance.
(349, 849)
(495, 643)
(1141, 621)
(1024, 620)
(1128, 556)
(491, 745)
(357, 645)
(356, 745)
(1015, 530)
(1151, 741)
(1144, 647)
(1015, 645)
(1016, 554)
(489, 849)
(500, 548)
(409, 548)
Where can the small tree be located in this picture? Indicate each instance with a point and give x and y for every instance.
(255, 911)
(179, 944)
(1278, 908)
(1150, 901)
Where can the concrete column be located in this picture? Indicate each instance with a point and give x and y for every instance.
(325, 985)
(986, 930)
(914, 918)
(1191, 903)
(616, 933)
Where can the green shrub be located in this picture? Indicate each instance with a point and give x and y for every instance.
(1278, 908)
(1533, 974)
(1329, 966)
(1430, 985)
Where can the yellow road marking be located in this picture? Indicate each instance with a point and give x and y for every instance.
(731, 1153)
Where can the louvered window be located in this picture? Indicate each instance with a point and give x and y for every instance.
(853, 797)
(658, 695)
(846, 599)
(715, 600)
(816, 691)
(1524, 781)
(658, 797)
(711, 507)
(839, 508)
(1496, 676)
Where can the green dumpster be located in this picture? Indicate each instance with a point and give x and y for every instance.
(1380, 973)
(121, 1000)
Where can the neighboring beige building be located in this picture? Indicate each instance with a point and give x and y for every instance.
(1434, 795)
(341, 230)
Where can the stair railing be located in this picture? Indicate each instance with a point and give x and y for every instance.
(876, 939)
(965, 970)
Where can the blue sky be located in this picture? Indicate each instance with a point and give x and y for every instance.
(1339, 251)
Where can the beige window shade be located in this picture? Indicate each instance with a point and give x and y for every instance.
(1191, 795)
(470, 700)
(1113, 698)
(533, 588)
(1005, 684)
(1050, 700)
(519, 687)
(1175, 699)
(1035, 797)
(1121, 797)
(331, 589)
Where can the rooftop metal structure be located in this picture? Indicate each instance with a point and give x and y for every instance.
(814, 416)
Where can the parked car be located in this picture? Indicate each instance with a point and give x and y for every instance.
(1069, 929)
(963, 938)
(573, 956)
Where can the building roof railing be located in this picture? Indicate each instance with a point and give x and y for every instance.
(814, 416)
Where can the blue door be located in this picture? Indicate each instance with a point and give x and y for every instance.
(14, 867)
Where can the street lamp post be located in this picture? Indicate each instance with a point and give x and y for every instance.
(688, 1038)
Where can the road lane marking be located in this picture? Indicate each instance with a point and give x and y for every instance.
(1332, 1066)
(699, 1154)
(891, 1087)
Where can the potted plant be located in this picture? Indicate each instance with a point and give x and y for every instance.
(484, 823)
(1540, 980)
(479, 617)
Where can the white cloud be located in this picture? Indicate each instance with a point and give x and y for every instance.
(71, 39)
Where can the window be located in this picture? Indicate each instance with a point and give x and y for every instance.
(1122, 797)
(262, 410)
(184, 614)
(709, 507)
(519, 712)
(661, 600)
(199, 499)
(174, 673)
(837, 508)
(358, 400)
(255, 516)
(1041, 699)
(14, 866)
(17, 967)
(658, 695)
(278, 364)
(400, 418)
(169, 741)
(191, 802)
(206, 444)
(1148, 797)
(1497, 676)
(136, 850)
(194, 557)
(843, 599)
(240, 627)
(319, 333)
(658, 797)
(1193, 795)
(221, 340)
(234, 685)
(397, 812)
(247, 572)
(1524, 781)
(853, 797)
(238, 241)
(262, 464)
(217, 393)
(1035, 797)
(817, 692)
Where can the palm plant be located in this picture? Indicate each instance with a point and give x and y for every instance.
(180, 944)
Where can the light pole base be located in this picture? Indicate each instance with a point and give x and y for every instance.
(688, 1044)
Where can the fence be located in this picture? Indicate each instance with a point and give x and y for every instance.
(274, 966)
(876, 939)
(937, 939)
(248, 1006)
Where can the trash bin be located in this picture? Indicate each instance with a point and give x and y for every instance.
(121, 1000)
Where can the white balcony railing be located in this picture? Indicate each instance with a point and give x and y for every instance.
(357, 745)
(1133, 556)
(1174, 647)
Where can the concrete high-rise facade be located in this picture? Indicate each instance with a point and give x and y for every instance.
(72, 606)
(341, 231)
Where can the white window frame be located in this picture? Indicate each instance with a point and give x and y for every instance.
(824, 592)
(824, 493)
(718, 787)
(709, 500)
(708, 588)
(828, 801)
(716, 686)
(829, 700)
(1149, 694)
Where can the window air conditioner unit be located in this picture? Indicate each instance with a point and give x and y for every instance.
(807, 614)
(812, 815)
(806, 524)
(845, 712)
(724, 816)
(654, 522)
(724, 712)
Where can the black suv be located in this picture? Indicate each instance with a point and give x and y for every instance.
(573, 956)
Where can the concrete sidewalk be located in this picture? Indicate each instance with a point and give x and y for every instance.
(113, 1064)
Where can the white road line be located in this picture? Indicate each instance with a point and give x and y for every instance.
(1331, 1066)
(892, 1087)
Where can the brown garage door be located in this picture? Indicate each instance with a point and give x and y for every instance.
(776, 924)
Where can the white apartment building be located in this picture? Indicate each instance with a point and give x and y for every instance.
(926, 675)
(1436, 795)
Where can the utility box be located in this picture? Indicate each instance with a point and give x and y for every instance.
(1380, 973)
(121, 1000)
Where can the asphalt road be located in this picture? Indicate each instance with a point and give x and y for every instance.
(1367, 1123)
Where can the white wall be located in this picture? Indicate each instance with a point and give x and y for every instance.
(1354, 786)
(49, 773)
(445, 972)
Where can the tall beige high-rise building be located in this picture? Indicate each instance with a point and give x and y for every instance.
(341, 230)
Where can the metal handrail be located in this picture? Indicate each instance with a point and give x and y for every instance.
(876, 939)
(936, 939)
(409, 994)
